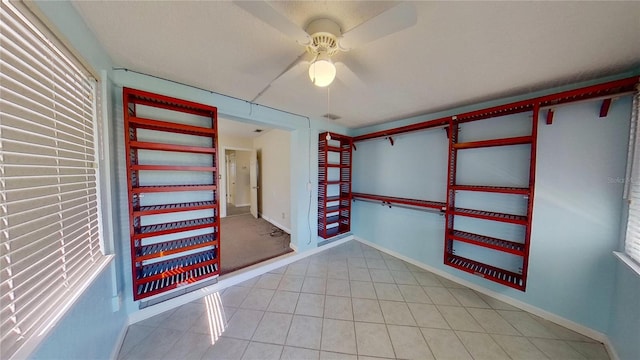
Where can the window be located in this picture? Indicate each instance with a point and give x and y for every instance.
(632, 240)
(50, 236)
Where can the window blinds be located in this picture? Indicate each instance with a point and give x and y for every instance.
(632, 241)
(49, 227)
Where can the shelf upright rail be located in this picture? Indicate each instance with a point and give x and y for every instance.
(506, 277)
(334, 193)
(174, 235)
(451, 182)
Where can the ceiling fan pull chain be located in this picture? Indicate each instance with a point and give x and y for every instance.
(328, 112)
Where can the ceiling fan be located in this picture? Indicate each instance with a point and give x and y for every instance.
(322, 37)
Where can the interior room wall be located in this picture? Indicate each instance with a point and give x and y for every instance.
(624, 325)
(92, 320)
(576, 215)
(92, 328)
(275, 174)
(233, 142)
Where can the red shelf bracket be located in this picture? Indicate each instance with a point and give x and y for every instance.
(390, 140)
(604, 109)
(549, 116)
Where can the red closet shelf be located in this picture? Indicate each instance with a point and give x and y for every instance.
(139, 97)
(335, 182)
(174, 227)
(169, 208)
(493, 189)
(335, 198)
(401, 201)
(337, 208)
(404, 129)
(165, 275)
(337, 230)
(171, 188)
(334, 149)
(336, 219)
(165, 248)
(488, 242)
(337, 165)
(520, 140)
(610, 88)
(172, 168)
(594, 91)
(493, 273)
(490, 215)
(148, 124)
(142, 145)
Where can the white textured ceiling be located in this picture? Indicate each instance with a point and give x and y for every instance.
(458, 52)
(240, 129)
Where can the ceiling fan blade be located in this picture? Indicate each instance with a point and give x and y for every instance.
(266, 13)
(348, 77)
(296, 67)
(397, 18)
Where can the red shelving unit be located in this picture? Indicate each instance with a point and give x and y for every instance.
(180, 251)
(453, 236)
(334, 185)
(604, 92)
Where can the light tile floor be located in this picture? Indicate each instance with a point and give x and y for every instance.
(352, 302)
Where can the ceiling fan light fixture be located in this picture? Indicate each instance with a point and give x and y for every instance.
(322, 71)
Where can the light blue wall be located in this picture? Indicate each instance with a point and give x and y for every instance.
(576, 220)
(91, 329)
(577, 207)
(413, 233)
(624, 328)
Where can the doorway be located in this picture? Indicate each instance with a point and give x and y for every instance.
(255, 171)
(238, 184)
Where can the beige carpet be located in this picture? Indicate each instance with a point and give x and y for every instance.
(247, 241)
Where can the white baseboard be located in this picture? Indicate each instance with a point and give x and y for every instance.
(611, 350)
(581, 329)
(119, 341)
(276, 224)
(242, 205)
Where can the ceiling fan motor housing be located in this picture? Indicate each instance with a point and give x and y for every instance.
(324, 36)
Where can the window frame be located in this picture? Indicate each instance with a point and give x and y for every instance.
(630, 254)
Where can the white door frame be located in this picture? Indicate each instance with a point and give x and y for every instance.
(253, 183)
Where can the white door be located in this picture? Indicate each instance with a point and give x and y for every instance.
(253, 182)
(231, 178)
